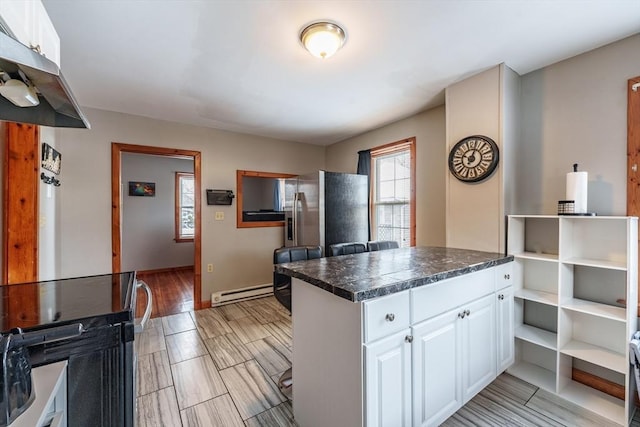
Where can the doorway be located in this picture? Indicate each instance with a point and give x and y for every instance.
(117, 149)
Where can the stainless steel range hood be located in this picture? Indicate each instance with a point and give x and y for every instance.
(57, 108)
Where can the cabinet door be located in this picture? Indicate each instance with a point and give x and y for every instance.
(388, 381)
(45, 35)
(436, 356)
(478, 345)
(504, 328)
(17, 16)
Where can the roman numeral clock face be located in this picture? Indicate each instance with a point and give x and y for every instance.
(473, 158)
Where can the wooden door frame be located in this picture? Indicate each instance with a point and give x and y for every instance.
(116, 212)
(633, 145)
(633, 148)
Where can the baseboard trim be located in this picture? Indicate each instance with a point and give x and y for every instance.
(166, 270)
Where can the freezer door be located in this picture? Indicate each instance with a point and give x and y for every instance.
(346, 208)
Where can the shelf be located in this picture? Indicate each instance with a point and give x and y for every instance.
(596, 309)
(537, 296)
(534, 374)
(600, 263)
(537, 336)
(536, 256)
(595, 401)
(597, 355)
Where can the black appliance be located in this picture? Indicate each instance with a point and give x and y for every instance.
(324, 208)
(16, 389)
(100, 361)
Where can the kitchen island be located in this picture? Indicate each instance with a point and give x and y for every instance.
(399, 337)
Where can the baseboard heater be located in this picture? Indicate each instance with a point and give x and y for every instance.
(235, 295)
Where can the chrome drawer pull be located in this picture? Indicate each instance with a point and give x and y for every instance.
(390, 317)
(408, 338)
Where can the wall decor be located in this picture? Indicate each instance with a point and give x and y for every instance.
(51, 158)
(147, 189)
(474, 158)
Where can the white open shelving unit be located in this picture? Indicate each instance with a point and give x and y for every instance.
(573, 277)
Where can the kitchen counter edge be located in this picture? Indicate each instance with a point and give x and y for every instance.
(365, 288)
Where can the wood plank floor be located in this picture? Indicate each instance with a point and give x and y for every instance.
(172, 293)
(220, 366)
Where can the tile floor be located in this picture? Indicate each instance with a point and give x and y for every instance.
(220, 366)
(216, 367)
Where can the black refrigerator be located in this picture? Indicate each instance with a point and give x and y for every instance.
(324, 208)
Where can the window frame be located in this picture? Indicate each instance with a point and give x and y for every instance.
(179, 237)
(240, 223)
(408, 144)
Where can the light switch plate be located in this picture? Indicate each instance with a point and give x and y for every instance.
(219, 216)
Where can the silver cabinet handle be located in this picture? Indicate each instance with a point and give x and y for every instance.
(390, 317)
(467, 312)
(409, 338)
(507, 276)
(461, 314)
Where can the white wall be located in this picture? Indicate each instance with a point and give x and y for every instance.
(484, 104)
(48, 239)
(429, 129)
(575, 111)
(241, 257)
(148, 223)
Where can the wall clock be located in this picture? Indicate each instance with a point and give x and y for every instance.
(473, 158)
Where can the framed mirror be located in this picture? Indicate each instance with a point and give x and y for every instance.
(260, 198)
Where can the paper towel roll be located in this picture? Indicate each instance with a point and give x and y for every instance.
(577, 190)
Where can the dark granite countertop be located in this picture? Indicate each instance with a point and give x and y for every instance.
(369, 275)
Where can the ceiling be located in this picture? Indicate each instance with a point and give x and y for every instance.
(238, 65)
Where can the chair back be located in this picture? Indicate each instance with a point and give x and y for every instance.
(347, 248)
(381, 245)
(282, 282)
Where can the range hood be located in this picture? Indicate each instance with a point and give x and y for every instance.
(57, 107)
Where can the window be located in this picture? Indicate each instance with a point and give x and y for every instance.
(393, 192)
(185, 207)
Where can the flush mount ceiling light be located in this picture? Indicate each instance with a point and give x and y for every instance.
(322, 39)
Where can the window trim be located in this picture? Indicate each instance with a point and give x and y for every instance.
(392, 148)
(240, 198)
(177, 213)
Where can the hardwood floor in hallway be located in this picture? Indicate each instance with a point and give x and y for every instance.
(172, 292)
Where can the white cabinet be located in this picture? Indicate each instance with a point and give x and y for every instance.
(388, 381)
(29, 23)
(478, 346)
(575, 288)
(454, 357)
(504, 328)
(411, 358)
(454, 354)
(436, 391)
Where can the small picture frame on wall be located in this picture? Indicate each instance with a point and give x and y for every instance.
(144, 189)
(51, 159)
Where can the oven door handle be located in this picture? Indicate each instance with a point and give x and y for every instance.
(140, 325)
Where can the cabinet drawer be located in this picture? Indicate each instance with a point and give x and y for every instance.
(504, 275)
(385, 315)
(430, 300)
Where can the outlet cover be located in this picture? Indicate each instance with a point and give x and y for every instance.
(219, 216)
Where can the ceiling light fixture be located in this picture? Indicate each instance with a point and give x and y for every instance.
(322, 39)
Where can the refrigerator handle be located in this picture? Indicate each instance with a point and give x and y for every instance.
(294, 216)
